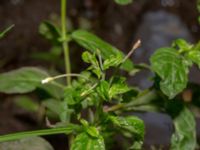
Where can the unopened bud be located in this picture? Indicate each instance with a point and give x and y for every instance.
(46, 80)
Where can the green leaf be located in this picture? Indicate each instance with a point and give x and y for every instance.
(85, 142)
(53, 105)
(52, 56)
(172, 70)
(25, 80)
(72, 95)
(198, 5)
(2, 34)
(136, 146)
(21, 80)
(27, 103)
(184, 137)
(131, 124)
(89, 58)
(194, 56)
(52, 89)
(93, 43)
(123, 2)
(92, 131)
(113, 61)
(182, 45)
(118, 87)
(32, 143)
(130, 95)
(16, 136)
(84, 122)
(103, 90)
(65, 112)
(50, 32)
(60, 108)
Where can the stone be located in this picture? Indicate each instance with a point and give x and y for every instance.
(157, 29)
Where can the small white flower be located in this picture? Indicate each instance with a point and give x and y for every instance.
(46, 80)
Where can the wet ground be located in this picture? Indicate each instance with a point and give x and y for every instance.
(120, 26)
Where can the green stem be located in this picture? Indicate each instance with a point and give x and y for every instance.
(114, 108)
(17, 136)
(141, 101)
(66, 49)
(64, 38)
(144, 99)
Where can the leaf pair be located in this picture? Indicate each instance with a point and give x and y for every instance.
(107, 91)
(172, 70)
(172, 64)
(97, 66)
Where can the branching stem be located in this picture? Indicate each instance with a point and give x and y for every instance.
(64, 39)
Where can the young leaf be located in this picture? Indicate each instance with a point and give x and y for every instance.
(131, 124)
(93, 132)
(172, 70)
(21, 80)
(72, 95)
(103, 90)
(2, 34)
(89, 58)
(113, 61)
(182, 45)
(93, 43)
(123, 2)
(184, 137)
(85, 142)
(118, 87)
(194, 56)
(50, 32)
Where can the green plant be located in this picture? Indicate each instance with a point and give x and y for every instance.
(123, 2)
(91, 108)
(3, 33)
(198, 8)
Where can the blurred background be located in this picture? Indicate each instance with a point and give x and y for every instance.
(156, 22)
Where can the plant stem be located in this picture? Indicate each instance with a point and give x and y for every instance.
(66, 49)
(114, 108)
(144, 99)
(20, 135)
(141, 101)
(64, 38)
(49, 79)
